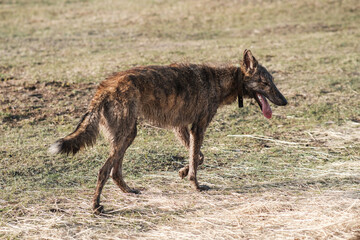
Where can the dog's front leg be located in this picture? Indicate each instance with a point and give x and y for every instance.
(183, 134)
(196, 139)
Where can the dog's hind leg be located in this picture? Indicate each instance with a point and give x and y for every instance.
(119, 123)
(117, 170)
(114, 162)
(103, 176)
(182, 133)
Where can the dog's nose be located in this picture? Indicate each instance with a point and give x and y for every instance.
(281, 100)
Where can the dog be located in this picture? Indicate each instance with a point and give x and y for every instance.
(183, 97)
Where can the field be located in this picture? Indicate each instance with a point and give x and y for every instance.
(296, 176)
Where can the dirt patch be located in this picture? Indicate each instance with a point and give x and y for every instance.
(284, 216)
(23, 102)
(345, 135)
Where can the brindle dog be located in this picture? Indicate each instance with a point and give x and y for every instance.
(175, 96)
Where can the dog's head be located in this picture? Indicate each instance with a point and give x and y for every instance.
(258, 83)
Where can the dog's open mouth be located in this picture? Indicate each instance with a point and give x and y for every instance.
(264, 105)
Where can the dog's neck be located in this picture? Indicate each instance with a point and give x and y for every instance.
(231, 83)
(239, 78)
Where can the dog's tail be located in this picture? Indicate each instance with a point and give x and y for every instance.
(84, 135)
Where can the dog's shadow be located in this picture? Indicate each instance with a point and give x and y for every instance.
(299, 185)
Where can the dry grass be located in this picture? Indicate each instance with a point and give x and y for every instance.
(294, 177)
(304, 212)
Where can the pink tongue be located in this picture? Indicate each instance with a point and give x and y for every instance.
(265, 106)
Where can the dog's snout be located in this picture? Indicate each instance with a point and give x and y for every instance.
(284, 102)
(276, 97)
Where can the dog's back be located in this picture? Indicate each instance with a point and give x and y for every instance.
(173, 95)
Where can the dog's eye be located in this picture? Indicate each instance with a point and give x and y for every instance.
(266, 83)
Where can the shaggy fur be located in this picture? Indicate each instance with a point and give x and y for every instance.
(175, 96)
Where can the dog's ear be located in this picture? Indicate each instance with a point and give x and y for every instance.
(249, 61)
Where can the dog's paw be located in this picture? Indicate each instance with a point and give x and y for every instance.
(98, 210)
(131, 190)
(127, 189)
(201, 158)
(201, 188)
(184, 172)
(134, 191)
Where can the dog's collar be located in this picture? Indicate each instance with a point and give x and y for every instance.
(239, 77)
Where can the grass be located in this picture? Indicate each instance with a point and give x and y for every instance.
(293, 177)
